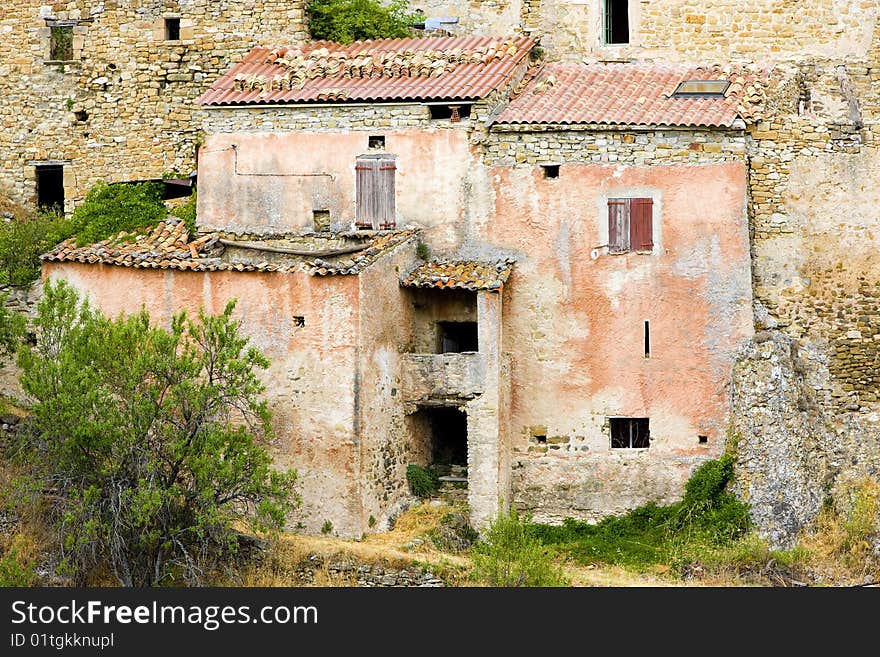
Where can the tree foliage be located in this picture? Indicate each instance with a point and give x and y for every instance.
(23, 239)
(345, 21)
(151, 439)
(110, 209)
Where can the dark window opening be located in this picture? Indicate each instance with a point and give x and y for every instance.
(630, 224)
(629, 432)
(50, 187)
(172, 29)
(457, 337)
(452, 112)
(616, 21)
(376, 141)
(81, 115)
(540, 437)
(703, 439)
(299, 321)
(61, 43)
(551, 170)
(647, 339)
(448, 437)
(321, 220)
(375, 191)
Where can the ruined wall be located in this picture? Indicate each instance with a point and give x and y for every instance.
(122, 109)
(574, 329)
(270, 182)
(311, 385)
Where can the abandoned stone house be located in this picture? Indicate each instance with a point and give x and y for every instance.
(546, 263)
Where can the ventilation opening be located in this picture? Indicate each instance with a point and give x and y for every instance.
(647, 339)
(172, 29)
(616, 21)
(551, 170)
(50, 187)
(376, 141)
(539, 435)
(321, 220)
(702, 439)
(299, 321)
(457, 337)
(81, 116)
(629, 432)
(452, 112)
(61, 43)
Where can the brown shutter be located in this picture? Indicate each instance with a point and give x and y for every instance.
(375, 191)
(641, 224)
(618, 225)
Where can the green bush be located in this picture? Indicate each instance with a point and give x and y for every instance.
(110, 209)
(15, 570)
(345, 21)
(153, 440)
(512, 555)
(422, 482)
(23, 239)
(187, 212)
(708, 517)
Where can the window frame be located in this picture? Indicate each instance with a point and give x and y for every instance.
(630, 422)
(607, 24)
(632, 231)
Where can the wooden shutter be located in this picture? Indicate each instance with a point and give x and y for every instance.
(641, 224)
(618, 225)
(375, 191)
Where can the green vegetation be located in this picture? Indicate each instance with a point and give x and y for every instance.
(111, 209)
(422, 251)
(345, 21)
(23, 239)
(709, 517)
(327, 527)
(16, 569)
(512, 555)
(187, 212)
(422, 481)
(151, 440)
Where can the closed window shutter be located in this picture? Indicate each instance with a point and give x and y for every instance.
(618, 225)
(375, 191)
(641, 224)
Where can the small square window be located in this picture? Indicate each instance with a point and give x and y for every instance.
(551, 170)
(629, 432)
(376, 142)
(172, 29)
(452, 112)
(61, 43)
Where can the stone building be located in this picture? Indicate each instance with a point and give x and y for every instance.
(518, 181)
(104, 90)
(540, 345)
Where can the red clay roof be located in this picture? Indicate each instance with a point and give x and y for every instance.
(634, 94)
(429, 68)
(460, 274)
(168, 246)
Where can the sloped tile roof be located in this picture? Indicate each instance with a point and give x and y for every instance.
(167, 246)
(429, 68)
(635, 94)
(460, 274)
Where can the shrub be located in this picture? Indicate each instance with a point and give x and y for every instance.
(151, 440)
(23, 239)
(345, 21)
(111, 209)
(511, 555)
(187, 212)
(16, 570)
(422, 482)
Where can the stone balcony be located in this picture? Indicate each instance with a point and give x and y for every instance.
(442, 378)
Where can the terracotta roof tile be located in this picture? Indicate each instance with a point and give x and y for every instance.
(460, 274)
(636, 94)
(428, 68)
(167, 246)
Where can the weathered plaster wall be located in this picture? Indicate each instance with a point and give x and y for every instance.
(574, 329)
(270, 182)
(136, 89)
(385, 443)
(311, 385)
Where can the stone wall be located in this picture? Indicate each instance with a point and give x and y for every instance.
(122, 109)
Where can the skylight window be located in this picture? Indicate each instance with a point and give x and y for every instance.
(707, 88)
